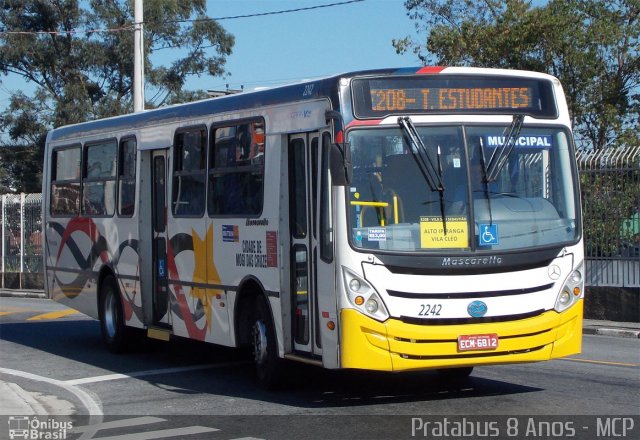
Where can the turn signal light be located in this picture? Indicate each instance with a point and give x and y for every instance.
(359, 300)
(576, 291)
(331, 325)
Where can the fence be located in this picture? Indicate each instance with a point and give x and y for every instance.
(21, 250)
(610, 186)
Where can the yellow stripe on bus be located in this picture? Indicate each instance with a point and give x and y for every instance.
(53, 315)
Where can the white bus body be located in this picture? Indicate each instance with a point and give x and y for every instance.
(306, 221)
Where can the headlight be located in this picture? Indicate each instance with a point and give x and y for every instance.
(564, 298)
(363, 296)
(572, 290)
(371, 306)
(576, 276)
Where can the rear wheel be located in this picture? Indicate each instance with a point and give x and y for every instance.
(112, 323)
(265, 347)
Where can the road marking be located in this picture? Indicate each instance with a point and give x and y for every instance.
(150, 435)
(125, 423)
(93, 406)
(53, 315)
(590, 361)
(10, 310)
(246, 438)
(145, 373)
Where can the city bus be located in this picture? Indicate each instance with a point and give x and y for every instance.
(390, 220)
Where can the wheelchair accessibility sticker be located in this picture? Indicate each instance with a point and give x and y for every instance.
(488, 235)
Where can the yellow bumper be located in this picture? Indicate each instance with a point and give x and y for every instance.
(397, 346)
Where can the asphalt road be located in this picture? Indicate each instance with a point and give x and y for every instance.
(55, 357)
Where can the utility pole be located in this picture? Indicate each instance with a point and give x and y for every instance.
(138, 58)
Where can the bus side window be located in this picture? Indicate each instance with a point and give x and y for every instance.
(189, 171)
(65, 181)
(127, 177)
(98, 186)
(236, 170)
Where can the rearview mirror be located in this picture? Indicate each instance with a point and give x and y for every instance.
(341, 169)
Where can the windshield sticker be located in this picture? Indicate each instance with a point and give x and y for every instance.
(488, 235)
(542, 141)
(377, 234)
(432, 233)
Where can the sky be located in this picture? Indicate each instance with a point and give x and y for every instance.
(275, 49)
(284, 48)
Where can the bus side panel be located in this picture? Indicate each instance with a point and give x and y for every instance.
(78, 248)
(118, 249)
(195, 304)
(69, 278)
(211, 257)
(68, 246)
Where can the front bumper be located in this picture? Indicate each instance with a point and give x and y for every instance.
(397, 346)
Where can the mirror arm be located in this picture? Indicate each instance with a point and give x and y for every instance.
(341, 152)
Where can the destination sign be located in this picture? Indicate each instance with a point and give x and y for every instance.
(453, 94)
(443, 98)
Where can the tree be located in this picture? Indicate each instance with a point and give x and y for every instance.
(79, 56)
(22, 169)
(590, 45)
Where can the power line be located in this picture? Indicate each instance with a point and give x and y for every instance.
(195, 20)
(263, 14)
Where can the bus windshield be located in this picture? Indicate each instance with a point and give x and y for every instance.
(529, 203)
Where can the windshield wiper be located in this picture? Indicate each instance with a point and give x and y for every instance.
(430, 168)
(501, 154)
(424, 158)
(485, 181)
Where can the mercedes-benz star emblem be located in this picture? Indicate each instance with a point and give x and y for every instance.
(554, 272)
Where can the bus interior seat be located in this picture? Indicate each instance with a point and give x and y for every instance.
(402, 178)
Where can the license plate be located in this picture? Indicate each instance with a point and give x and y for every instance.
(478, 342)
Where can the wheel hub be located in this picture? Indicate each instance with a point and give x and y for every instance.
(110, 319)
(259, 342)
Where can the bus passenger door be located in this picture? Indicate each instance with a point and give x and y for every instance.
(303, 184)
(160, 289)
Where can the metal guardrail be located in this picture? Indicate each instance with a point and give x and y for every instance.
(21, 235)
(610, 186)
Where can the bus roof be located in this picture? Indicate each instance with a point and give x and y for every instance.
(326, 87)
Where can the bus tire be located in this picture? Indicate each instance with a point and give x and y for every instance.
(453, 374)
(265, 347)
(112, 323)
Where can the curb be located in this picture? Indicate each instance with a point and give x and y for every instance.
(9, 293)
(617, 332)
(18, 401)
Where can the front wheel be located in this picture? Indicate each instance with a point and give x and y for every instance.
(112, 323)
(265, 347)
